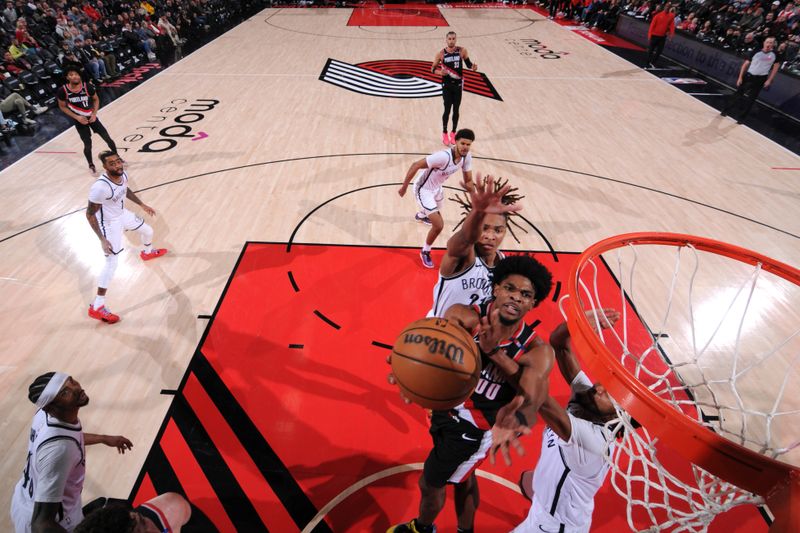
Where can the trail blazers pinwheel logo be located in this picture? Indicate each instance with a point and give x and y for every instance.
(399, 78)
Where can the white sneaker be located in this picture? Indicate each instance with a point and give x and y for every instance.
(26, 120)
(38, 109)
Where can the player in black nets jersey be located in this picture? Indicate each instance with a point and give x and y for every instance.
(449, 64)
(78, 100)
(513, 359)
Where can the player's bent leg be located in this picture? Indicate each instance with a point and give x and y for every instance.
(169, 511)
(437, 225)
(467, 499)
(430, 505)
(146, 235)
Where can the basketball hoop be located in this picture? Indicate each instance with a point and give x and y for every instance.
(684, 362)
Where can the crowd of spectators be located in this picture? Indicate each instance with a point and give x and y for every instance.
(107, 37)
(739, 26)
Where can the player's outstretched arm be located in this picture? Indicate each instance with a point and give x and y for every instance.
(562, 344)
(463, 315)
(485, 200)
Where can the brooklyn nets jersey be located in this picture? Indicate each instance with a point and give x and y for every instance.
(569, 474)
(493, 390)
(470, 287)
(63, 449)
(440, 167)
(110, 197)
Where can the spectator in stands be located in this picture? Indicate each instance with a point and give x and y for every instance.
(748, 46)
(90, 11)
(706, 33)
(757, 72)
(662, 25)
(15, 102)
(689, 24)
(607, 18)
(10, 13)
(15, 66)
(108, 58)
(170, 31)
(752, 19)
(94, 65)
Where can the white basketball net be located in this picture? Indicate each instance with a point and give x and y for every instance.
(678, 356)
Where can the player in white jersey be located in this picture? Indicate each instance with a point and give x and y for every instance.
(48, 496)
(429, 174)
(572, 465)
(465, 275)
(108, 218)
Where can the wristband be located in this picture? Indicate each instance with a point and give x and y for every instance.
(468, 62)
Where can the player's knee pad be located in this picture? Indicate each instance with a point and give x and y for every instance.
(108, 271)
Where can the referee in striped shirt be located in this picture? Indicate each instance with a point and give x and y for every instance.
(756, 73)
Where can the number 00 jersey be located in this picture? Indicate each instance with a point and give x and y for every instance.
(493, 390)
(470, 287)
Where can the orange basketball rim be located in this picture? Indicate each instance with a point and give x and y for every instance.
(776, 481)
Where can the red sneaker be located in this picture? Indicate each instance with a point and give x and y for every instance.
(445, 139)
(103, 314)
(156, 252)
(452, 137)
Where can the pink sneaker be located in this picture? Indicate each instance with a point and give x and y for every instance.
(445, 139)
(156, 252)
(452, 137)
(103, 314)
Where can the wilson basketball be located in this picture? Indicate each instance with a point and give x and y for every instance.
(436, 363)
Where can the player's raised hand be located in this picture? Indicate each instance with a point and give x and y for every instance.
(507, 430)
(489, 332)
(483, 196)
(606, 317)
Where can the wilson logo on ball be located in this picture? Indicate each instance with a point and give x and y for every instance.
(449, 351)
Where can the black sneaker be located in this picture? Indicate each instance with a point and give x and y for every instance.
(408, 527)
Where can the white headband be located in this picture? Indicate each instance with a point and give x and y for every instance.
(52, 389)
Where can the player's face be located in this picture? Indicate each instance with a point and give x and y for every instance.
(602, 400)
(463, 146)
(113, 165)
(494, 229)
(73, 77)
(71, 395)
(451, 41)
(514, 297)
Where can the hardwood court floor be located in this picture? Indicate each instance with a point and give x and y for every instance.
(598, 147)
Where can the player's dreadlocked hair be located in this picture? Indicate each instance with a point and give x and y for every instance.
(511, 197)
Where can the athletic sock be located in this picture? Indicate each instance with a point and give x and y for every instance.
(99, 301)
(426, 247)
